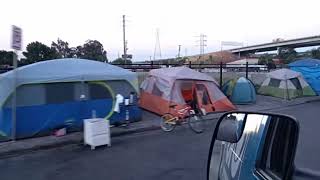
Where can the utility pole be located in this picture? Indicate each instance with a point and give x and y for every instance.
(179, 50)
(124, 39)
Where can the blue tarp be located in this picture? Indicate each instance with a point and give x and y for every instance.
(310, 69)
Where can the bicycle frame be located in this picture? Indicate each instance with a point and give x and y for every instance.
(182, 113)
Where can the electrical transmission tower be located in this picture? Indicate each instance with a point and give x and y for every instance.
(157, 48)
(202, 43)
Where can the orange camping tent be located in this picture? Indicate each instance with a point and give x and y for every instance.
(179, 85)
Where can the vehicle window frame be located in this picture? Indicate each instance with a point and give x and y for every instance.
(261, 165)
(214, 136)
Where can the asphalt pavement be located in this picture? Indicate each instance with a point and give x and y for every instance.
(155, 155)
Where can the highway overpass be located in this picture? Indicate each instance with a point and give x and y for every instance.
(292, 43)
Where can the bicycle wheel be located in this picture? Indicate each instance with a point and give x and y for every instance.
(196, 123)
(167, 122)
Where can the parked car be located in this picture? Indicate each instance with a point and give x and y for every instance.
(256, 146)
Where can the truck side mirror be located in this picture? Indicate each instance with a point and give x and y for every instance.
(231, 128)
(259, 145)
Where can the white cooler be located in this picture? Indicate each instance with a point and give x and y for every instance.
(96, 132)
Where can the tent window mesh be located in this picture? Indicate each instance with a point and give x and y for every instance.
(296, 83)
(59, 93)
(122, 87)
(97, 91)
(156, 91)
(274, 82)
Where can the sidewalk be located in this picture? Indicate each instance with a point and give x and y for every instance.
(150, 122)
(7, 149)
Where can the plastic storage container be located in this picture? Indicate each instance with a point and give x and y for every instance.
(97, 132)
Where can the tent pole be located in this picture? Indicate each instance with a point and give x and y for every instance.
(287, 90)
(220, 74)
(247, 69)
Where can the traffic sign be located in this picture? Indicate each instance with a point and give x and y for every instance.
(16, 43)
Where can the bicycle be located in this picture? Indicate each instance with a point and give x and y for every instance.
(193, 118)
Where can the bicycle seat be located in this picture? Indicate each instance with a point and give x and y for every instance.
(173, 106)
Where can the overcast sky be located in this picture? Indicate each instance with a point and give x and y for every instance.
(179, 22)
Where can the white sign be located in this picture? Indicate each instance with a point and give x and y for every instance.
(16, 38)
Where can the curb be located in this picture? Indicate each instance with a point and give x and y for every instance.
(22, 151)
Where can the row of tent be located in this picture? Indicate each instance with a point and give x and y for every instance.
(181, 85)
(282, 83)
(61, 93)
(302, 79)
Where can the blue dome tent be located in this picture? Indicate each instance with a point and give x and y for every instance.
(61, 93)
(310, 70)
(240, 91)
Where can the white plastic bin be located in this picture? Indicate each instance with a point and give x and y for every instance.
(97, 132)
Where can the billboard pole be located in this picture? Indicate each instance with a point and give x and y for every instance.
(16, 44)
(14, 97)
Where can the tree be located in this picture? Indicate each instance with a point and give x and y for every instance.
(92, 49)
(121, 61)
(62, 48)
(315, 53)
(265, 59)
(37, 51)
(288, 55)
(6, 57)
(182, 60)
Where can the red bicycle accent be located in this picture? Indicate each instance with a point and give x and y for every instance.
(183, 112)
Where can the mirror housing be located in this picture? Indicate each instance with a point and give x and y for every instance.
(231, 127)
